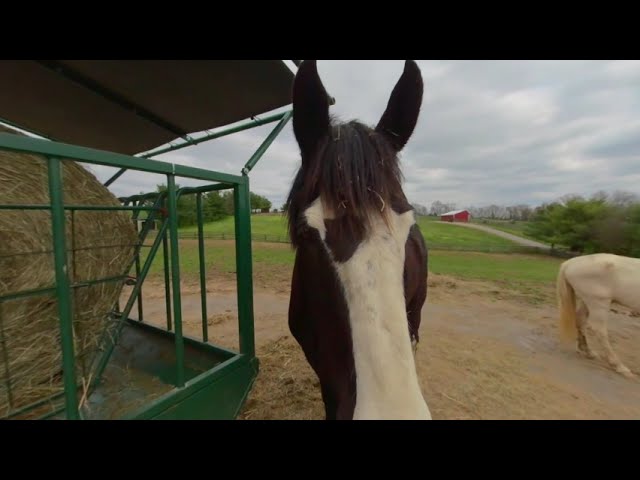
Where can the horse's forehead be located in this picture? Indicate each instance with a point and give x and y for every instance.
(318, 212)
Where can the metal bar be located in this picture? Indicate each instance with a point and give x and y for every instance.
(73, 246)
(42, 252)
(175, 277)
(167, 287)
(63, 292)
(18, 143)
(52, 413)
(79, 249)
(115, 176)
(142, 237)
(133, 208)
(43, 291)
(205, 188)
(129, 305)
(73, 278)
(244, 268)
(203, 276)
(15, 125)
(117, 309)
(38, 403)
(5, 359)
(138, 284)
(169, 400)
(137, 262)
(267, 142)
(145, 196)
(145, 230)
(228, 131)
(18, 206)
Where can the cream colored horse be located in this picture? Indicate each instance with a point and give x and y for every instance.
(594, 282)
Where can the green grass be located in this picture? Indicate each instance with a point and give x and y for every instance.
(495, 267)
(442, 235)
(511, 270)
(515, 228)
(437, 235)
(271, 225)
(221, 257)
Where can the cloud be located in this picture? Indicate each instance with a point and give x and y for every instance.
(504, 132)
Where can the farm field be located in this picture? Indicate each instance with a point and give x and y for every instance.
(272, 228)
(488, 346)
(516, 228)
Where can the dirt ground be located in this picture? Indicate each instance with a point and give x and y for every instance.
(485, 353)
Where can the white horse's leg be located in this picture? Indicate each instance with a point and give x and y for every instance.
(582, 315)
(598, 313)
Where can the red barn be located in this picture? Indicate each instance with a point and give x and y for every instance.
(456, 216)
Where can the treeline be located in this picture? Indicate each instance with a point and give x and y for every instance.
(215, 206)
(602, 223)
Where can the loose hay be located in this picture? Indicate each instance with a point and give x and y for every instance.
(286, 388)
(99, 245)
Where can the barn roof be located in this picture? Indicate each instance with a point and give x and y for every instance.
(453, 212)
(133, 106)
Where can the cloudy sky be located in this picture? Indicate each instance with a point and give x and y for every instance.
(501, 132)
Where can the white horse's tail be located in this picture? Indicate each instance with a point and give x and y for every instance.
(566, 305)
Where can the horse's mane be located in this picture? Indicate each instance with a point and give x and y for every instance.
(355, 170)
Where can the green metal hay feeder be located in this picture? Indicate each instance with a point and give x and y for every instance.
(102, 113)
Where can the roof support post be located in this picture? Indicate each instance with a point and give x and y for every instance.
(267, 142)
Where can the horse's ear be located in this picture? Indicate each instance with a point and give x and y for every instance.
(310, 108)
(400, 118)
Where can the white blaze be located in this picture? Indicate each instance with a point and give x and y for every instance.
(372, 281)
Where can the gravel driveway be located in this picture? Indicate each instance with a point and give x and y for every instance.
(514, 238)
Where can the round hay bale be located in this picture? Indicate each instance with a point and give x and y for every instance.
(100, 244)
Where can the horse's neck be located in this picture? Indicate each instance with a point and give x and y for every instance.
(372, 281)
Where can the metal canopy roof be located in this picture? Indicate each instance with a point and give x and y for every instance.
(132, 106)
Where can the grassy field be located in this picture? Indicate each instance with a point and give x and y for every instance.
(272, 228)
(270, 225)
(510, 270)
(442, 235)
(513, 271)
(220, 256)
(495, 267)
(515, 228)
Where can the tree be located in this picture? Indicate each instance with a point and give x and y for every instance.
(227, 198)
(624, 199)
(186, 207)
(213, 207)
(585, 226)
(632, 230)
(544, 224)
(420, 209)
(259, 202)
(438, 208)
